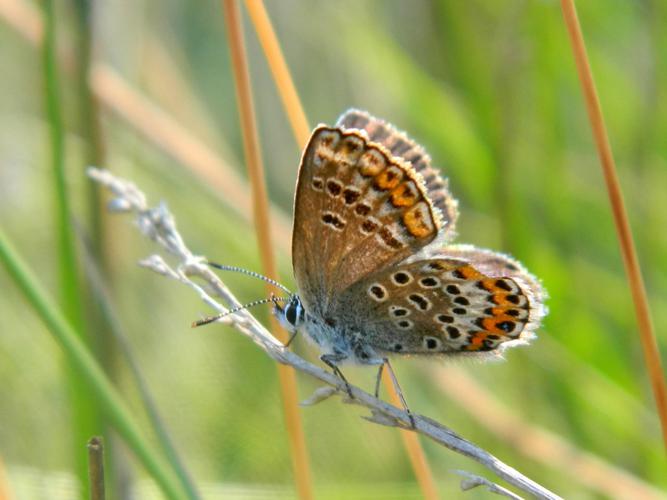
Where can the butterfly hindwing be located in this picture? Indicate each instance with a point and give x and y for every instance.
(458, 299)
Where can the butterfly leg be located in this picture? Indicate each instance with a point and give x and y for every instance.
(378, 380)
(397, 388)
(291, 338)
(331, 361)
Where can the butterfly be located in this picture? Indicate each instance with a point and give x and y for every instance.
(376, 272)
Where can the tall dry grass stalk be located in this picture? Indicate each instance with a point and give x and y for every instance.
(623, 231)
(253, 157)
(279, 70)
(301, 130)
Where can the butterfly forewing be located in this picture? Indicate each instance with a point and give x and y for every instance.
(358, 209)
(400, 145)
(457, 300)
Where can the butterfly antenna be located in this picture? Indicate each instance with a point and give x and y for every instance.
(212, 319)
(250, 273)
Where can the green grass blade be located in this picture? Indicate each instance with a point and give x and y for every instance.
(85, 413)
(111, 341)
(112, 323)
(88, 369)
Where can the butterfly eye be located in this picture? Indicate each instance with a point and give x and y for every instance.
(294, 311)
(290, 314)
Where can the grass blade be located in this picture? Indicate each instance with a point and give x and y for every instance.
(279, 70)
(85, 413)
(87, 368)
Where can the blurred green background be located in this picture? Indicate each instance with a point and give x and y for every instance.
(489, 88)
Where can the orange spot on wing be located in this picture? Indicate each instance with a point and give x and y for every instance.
(504, 317)
(418, 221)
(501, 300)
(351, 145)
(489, 284)
(405, 195)
(372, 162)
(469, 273)
(389, 178)
(492, 325)
(489, 324)
(476, 341)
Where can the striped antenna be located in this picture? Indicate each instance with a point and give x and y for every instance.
(250, 273)
(212, 319)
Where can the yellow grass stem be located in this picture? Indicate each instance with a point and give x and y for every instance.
(301, 129)
(624, 234)
(279, 70)
(254, 165)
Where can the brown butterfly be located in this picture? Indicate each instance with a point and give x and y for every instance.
(374, 265)
(375, 270)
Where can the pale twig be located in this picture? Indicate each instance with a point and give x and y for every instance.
(159, 225)
(473, 481)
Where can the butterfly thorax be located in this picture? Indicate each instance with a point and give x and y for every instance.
(341, 341)
(345, 342)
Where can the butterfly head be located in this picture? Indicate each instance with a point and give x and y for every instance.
(292, 315)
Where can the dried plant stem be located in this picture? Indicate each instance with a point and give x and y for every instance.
(279, 70)
(301, 130)
(624, 233)
(96, 468)
(253, 157)
(159, 225)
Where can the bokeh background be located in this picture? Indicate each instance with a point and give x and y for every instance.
(489, 88)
